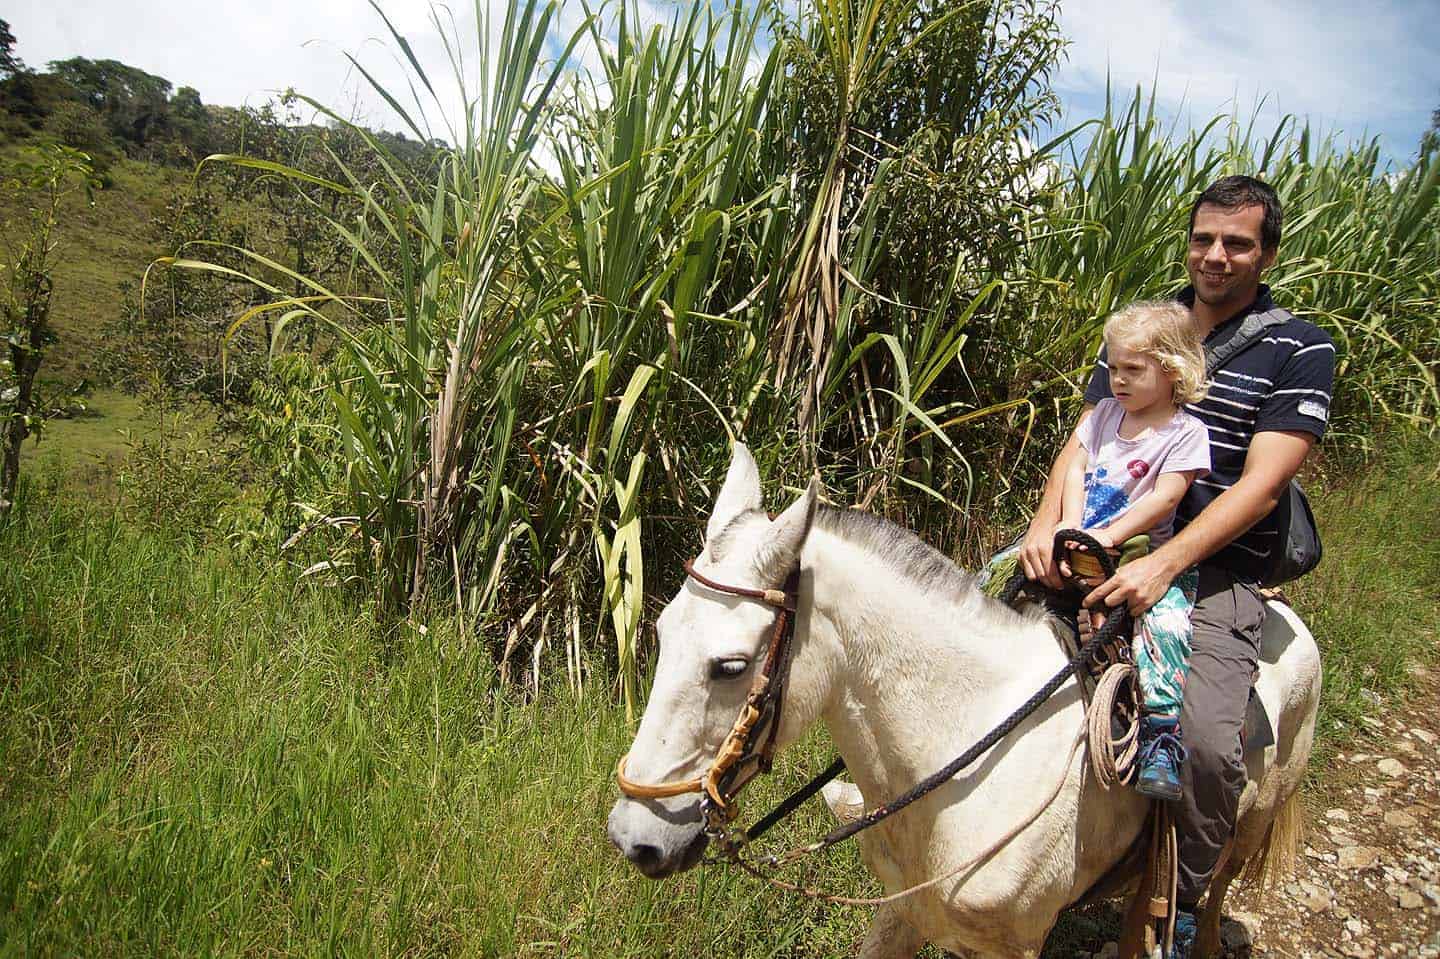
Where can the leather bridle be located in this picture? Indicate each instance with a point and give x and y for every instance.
(738, 759)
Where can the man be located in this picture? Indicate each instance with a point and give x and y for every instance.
(1267, 406)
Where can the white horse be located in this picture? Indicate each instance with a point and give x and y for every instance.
(907, 664)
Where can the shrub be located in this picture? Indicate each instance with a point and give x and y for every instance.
(80, 126)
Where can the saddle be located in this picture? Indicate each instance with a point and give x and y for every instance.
(1257, 732)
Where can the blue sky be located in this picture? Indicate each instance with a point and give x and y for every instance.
(1359, 69)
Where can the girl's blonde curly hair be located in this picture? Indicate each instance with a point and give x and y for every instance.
(1163, 329)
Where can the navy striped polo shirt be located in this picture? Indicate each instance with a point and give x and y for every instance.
(1283, 381)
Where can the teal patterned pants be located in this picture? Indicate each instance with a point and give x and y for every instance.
(1162, 647)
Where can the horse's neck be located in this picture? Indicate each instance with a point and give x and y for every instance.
(921, 673)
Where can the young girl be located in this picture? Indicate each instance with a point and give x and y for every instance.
(1140, 453)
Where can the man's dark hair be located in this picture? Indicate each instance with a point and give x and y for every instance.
(1237, 192)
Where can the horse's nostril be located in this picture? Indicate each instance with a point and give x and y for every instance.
(644, 856)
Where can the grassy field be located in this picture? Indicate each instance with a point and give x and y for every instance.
(1374, 603)
(199, 756)
(202, 758)
(97, 437)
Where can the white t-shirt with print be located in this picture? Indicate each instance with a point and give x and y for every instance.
(1118, 472)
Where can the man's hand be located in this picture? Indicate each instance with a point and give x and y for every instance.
(1138, 584)
(1037, 556)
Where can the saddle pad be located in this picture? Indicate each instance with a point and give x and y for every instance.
(1257, 731)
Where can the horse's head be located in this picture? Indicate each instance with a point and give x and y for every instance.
(711, 645)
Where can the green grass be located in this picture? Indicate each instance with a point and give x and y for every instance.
(199, 756)
(1372, 603)
(92, 450)
(96, 436)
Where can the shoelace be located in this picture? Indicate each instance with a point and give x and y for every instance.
(1169, 744)
(1185, 933)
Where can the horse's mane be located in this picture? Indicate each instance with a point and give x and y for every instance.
(905, 555)
(900, 549)
(908, 556)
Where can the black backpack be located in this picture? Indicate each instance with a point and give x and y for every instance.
(1300, 547)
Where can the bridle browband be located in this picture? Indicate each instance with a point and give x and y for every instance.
(738, 761)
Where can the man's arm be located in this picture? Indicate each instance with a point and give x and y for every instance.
(1272, 461)
(1072, 500)
(1037, 547)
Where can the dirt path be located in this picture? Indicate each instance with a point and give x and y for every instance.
(1367, 883)
(1368, 880)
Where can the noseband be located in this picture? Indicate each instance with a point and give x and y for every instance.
(738, 760)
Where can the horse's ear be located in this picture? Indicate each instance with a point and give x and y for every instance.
(740, 493)
(781, 551)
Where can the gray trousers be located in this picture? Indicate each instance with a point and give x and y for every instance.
(1224, 650)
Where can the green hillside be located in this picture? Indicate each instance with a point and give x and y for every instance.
(103, 250)
(103, 247)
(143, 138)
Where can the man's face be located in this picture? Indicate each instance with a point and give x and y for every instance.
(1225, 259)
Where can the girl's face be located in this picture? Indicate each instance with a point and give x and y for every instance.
(1138, 380)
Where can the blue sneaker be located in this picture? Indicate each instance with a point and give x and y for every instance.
(1161, 755)
(1185, 931)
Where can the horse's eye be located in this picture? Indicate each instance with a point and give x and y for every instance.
(732, 667)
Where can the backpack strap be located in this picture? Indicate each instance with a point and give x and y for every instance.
(1252, 328)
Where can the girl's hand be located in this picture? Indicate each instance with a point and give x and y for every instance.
(1061, 558)
(1104, 537)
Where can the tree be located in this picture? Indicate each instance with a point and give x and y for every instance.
(192, 123)
(26, 305)
(136, 104)
(9, 63)
(77, 125)
(27, 99)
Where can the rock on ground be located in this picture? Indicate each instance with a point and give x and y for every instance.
(1366, 883)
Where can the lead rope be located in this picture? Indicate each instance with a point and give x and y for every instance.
(1096, 714)
(1114, 625)
(974, 861)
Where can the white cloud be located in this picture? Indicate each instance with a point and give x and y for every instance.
(247, 53)
(1352, 66)
(238, 54)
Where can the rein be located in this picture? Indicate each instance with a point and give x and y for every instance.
(722, 782)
